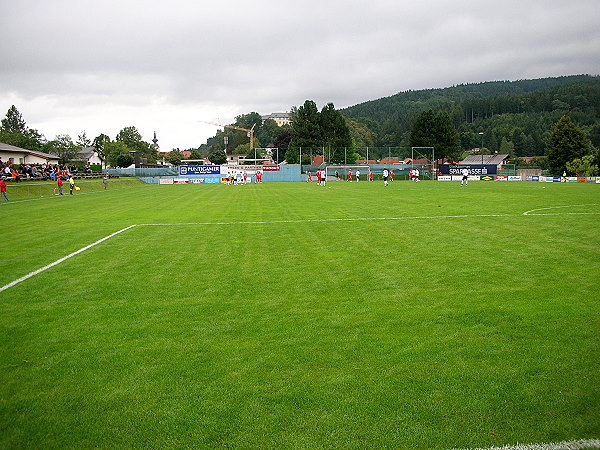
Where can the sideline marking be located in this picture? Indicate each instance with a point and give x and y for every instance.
(565, 445)
(267, 222)
(64, 258)
(528, 213)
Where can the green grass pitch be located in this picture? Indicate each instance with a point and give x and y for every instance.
(288, 315)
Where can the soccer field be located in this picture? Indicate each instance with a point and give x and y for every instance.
(288, 315)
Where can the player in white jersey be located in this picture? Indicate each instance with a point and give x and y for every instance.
(386, 174)
(465, 176)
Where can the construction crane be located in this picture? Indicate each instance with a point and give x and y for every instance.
(249, 132)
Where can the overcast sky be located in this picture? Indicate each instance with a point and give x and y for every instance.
(167, 66)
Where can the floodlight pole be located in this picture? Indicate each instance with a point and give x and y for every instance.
(481, 149)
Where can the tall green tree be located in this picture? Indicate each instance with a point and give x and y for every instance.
(217, 157)
(14, 122)
(64, 147)
(175, 156)
(132, 138)
(567, 142)
(99, 142)
(83, 141)
(116, 152)
(306, 126)
(14, 131)
(436, 130)
(336, 135)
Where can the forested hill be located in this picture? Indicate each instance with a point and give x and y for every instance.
(521, 111)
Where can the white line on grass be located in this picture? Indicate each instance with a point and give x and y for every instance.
(64, 258)
(566, 445)
(267, 222)
(528, 213)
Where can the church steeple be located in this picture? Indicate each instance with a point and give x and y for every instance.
(155, 141)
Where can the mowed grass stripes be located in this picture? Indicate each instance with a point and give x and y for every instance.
(410, 333)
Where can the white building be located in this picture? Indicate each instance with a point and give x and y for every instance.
(20, 155)
(279, 118)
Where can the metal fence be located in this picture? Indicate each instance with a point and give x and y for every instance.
(25, 191)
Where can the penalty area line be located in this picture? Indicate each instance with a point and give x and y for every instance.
(565, 445)
(64, 258)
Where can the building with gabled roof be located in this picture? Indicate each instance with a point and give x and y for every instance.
(495, 159)
(20, 155)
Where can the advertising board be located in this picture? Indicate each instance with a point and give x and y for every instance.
(199, 170)
(474, 169)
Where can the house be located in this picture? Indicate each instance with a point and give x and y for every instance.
(495, 159)
(20, 155)
(391, 160)
(279, 118)
(91, 156)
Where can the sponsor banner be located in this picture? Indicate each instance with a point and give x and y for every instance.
(514, 178)
(556, 179)
(212, 180)
(242, 168)
(224, 180)
(474, 169)
(270, 168)
(534, 178)
(487, 178)
(165, 181)
(548, 179)
(199, 170)
(501, 178)
(197, 180)
(181, 181)
(598, 180)
(581, 179)
(573, 179)
(444, 178)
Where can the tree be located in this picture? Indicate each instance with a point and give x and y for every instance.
(306, 126)
(114, 152)
(100, 141)
(175, 156)
(567, 142)
(132, 138)
(267, 133)
(124, 160)
(583, 166)
(507, 147)
(435, 130)
(336, 134)
(14, 131)
(195, 154)
(13, 122)
(63, 147)
(217, 157)
(83, 141)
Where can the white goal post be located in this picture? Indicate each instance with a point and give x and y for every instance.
(343, 171)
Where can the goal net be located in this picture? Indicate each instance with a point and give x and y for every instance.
(342, 172)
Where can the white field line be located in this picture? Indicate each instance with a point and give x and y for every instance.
(64, 258)
(267, 222)
(566, 445)
(528, 213)
(349, 219)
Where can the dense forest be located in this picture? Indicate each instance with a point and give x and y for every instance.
(515, 116)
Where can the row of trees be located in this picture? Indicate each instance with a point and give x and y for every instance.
(518, 114)
(118, 152)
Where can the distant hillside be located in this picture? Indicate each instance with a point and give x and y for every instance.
(520, 112)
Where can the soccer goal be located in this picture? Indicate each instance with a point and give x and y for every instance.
(342, 172)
